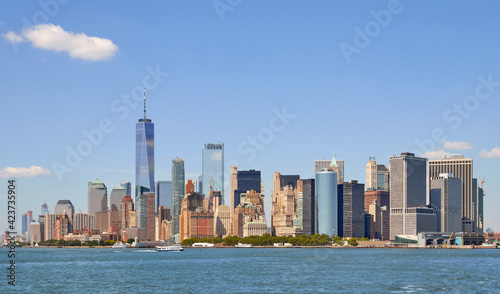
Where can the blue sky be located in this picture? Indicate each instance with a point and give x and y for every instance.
(222, 74)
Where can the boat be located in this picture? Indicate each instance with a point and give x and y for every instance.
(170, 248)
(119, 245)
(203, 245)
(241, 245)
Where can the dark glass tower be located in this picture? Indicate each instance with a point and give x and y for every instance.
(144, 157)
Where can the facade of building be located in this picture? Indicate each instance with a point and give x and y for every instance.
(322, 164)
(445, 199)
(163, 190)
(250, 210)
(408, 190)
(327, 199)
(36, 232)
(254, 229)
(50, 226)
(307, 207)
(144, 155)
(84, 222)
(353, 220)
(189, 187)
(380, 221)
(146, 215)
(382, 197)
(178, 189)
(45, 209)
(243, 181)
(461, 168)
(213, 168)
(64, 207)
(128, 188)
(195, 221)
(126, 208)
(222, 220)
(98, 204)
(116, 197)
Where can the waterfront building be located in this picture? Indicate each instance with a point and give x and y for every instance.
(327, 199)
(116, 197)
(178, 190)
(222, 218)
(213, 168)
(461, 168)
(379, 221)
(353, 220)
(250, 210)
(36, 232)
(144, 156)
(445, 199)
(63, 226)
(255, 229)
(24, 223)
(306, 211)
(195, 221)
(50, 226)
(165, 230)
(98, 204)
(478, 196)
(408, 212)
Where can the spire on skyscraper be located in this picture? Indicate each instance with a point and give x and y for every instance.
(144, 104)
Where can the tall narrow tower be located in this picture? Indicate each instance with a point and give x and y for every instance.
(144, 157)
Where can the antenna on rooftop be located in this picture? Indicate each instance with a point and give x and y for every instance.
(144, 104)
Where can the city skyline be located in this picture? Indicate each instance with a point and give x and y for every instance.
(284, 88)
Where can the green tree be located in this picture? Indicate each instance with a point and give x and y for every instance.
(130, 240)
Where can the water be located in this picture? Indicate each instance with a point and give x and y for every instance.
(41, 270)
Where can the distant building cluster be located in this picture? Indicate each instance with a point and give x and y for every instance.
(397, 203)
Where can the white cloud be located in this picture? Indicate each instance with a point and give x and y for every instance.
(494, 153)
(433, 154)
(22, 172)
(448, 145)
(55, 38)
(12, 37)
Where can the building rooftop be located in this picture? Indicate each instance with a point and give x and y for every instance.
(64, 202)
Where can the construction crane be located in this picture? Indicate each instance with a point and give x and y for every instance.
(482, 182)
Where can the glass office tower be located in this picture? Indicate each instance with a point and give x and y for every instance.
(213, 169)
(178, 189)
(327, 202)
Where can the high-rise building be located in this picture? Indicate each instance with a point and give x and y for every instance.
(36, 232)
(445, 199)
(327, 199)
(408, 212)
(189, 186)
(98, 204)
(84, 222)
(163, 192)
(222, 218)
(353, 220)
(24, 223)
(213, 168)
(178, 190)
(195, 221)
(381, 196)
(339, 168)
(63, 226)
(380, 221)
(462, 168)
(243, 181)
(45, 209)
(127, 206)
(146, 215)
(29, 220)
(307, 213)
(50, 226)
(64, 207)
(116, 197)
(128, 188)
(478, 196)
(377, 176)
(144, 158)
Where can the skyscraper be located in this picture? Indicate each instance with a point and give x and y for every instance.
(306, 190)
(144, 156)
(178, 188)
(321, 164)
(408, 212)
(327, 199)
(243, 181)
(25, 224)
(128, 188)
(213, 168)
(446, 199)
(45, 209)
(353, 220)
(460, 168)
(64, 206)
(146, 215)
(98, 204)
(116, 197)
(377, 176)
(163, 192)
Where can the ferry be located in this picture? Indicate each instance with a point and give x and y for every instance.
(119, 245)
(170, 248)
(241, 245)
